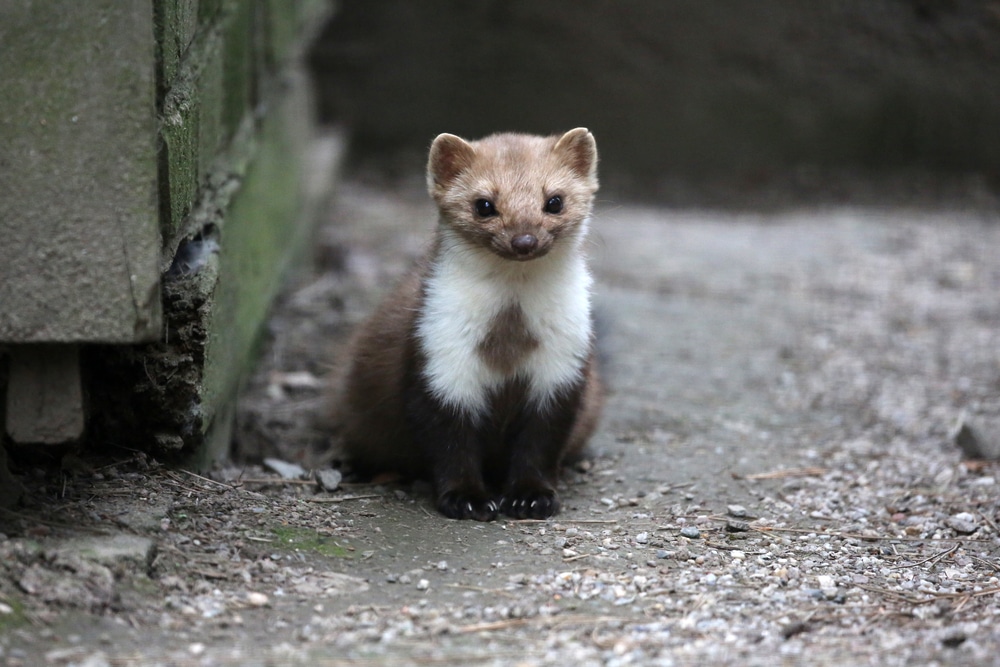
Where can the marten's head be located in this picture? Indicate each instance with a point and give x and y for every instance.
(518, 195)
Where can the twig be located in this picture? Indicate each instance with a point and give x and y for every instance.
(992, 566)
(277, 480)
(780, 474)
(341, 499)
(541, 620)
(859, 536)
(932, 597)
(209, 575)
(988, 520)
(562, 520)
(494, 625)
(734, 547)
(478, 589)
(935, 557)
(231, 487)
(173, 481)
(577, 557)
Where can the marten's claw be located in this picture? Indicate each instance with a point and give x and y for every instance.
(530, 504)
(458, 505)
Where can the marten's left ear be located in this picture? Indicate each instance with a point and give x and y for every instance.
(578, 150)
(449, 157)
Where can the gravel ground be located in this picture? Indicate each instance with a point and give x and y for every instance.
(788, 472)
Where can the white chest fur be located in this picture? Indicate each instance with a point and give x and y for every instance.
(467, 288)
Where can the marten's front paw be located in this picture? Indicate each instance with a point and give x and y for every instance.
(461, 505)
(530, 502)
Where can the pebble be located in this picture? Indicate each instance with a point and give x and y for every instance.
(963, 523)
(690, 532)
(423, 585)
(734, 526)
(737, 511)
(257, 599)
(642, 538)
(329, 479)
(285, 469)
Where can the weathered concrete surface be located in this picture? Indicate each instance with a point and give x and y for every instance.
(44, 394)
(79, 229)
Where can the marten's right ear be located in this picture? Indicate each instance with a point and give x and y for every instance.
(450, 156)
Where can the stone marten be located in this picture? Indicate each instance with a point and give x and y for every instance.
(478, 371)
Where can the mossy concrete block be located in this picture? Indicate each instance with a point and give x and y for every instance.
(176, 22)
(263, 231)
(179, 168)
(178, 394)
(238, 65)
(44, 394)
(209, 98)
(79, 232)
(282, 29)
(10, 489)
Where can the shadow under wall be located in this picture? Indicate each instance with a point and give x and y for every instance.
(675, 89)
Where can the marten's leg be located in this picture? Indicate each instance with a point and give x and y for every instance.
(453, 452)
(537, 446)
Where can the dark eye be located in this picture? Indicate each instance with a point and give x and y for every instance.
(554, 205)
(485, 208)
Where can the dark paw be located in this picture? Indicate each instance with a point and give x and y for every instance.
(534, 503)
(459, 505)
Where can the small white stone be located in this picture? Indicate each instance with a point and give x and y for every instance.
(256, 599)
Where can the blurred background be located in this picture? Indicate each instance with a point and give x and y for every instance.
(691, 102)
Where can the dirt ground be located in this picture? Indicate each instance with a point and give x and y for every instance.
(788, 472)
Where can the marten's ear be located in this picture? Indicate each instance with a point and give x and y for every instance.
(449, 157)
(578, 150)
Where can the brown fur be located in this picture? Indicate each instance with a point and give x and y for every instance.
(508, 341)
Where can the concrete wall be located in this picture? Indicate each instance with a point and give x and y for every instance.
(209, 101)
(79, 239)
(678, 88)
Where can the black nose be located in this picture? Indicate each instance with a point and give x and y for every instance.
(524, 243)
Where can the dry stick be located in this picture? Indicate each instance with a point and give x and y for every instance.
(542, 620)
(231, 487)
(494, 625)
(992, 566)
(989, 521)
(779, 474)
(934, 597)
(180, 485)
(935, 557)
(859, 536)
(342, 499)
(577, 557)
(479, 589)
(561, 520)
(278, 480)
